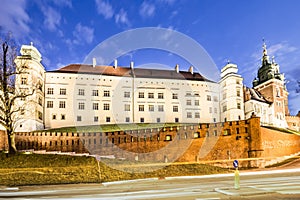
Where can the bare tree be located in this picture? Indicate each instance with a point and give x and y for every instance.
(10, 94)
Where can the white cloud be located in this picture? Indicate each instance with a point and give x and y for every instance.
(83, 34)
(147, 9)
(52, 18)
(13, 17)
(104, 8)
(121, 18)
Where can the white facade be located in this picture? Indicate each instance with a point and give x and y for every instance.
(89, 99)
(232, 100)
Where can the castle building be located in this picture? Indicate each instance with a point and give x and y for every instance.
(80, 95)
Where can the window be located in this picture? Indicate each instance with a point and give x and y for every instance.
(142, 120)
(238, 92)
(238, 105)
(215, 99)
(95, 93)
(127, 119)
(141, 108)
(151, 95)
(81, 105)
(224, 95)
(197, 103)
(63, 117)
(127, 94)
(107, 119)
(151, 108)
(188, 102)
(79, 118)
(176, 119)
(106, 106)
(62, 91)
(196, 94)
(95, 106)
(62, 104)
(188, 115)
(40, 115)
(49, 104)
(168, 138)
(174, 96)
(158, 120)
(22, 111)
(54, 116)
(141, 94)
(215, 110)
(127, 107)
(224, 108)
(96, 118)
(208, 98)
(50, 91)
(160, 108)
(188, 94)
(106, 93)
(40, 101)
(197, 115)
(210, 109)
(175, 108)
(160, 95)
(23, 81)
(81, 92)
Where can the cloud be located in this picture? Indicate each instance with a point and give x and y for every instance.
(147, 9)
(13, 17)
(83, 34)
(281, 49)
(105, 9)
(121, 18)
(52, 18)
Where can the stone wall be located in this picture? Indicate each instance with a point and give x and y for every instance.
(219, 142)
(3, 141)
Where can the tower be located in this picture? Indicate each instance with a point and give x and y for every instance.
(29, 80)
(231, 99)
(271, 84)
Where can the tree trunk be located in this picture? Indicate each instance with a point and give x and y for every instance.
(11, 143)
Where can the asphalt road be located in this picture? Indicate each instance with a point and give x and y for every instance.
(283, 183)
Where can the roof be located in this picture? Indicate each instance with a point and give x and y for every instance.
(128, 72)
(256, 95)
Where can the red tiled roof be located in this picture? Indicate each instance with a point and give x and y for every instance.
(126, 71)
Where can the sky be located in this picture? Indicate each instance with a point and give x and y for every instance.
(66, 31)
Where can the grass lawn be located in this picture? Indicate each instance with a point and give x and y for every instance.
(35, 169)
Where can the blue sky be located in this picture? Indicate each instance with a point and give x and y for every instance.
(66, 31)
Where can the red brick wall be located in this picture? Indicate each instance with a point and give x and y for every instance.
(276, 144)
(3, 141)
(220, 142)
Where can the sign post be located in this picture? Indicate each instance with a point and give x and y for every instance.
(98, 158)
(236, 175)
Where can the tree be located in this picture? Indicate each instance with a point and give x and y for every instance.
(10, 94)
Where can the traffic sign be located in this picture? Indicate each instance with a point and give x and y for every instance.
(235, 164)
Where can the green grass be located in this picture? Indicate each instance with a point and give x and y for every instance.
(114, 127)
(35, 169)
(285, 130)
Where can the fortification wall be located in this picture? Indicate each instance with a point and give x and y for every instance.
(277, 144)
(2, 140)
(220, 142)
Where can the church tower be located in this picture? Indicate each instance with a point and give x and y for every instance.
(29, 80)
(231, 97)
(271, 84)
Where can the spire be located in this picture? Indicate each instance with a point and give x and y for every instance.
(265, 58)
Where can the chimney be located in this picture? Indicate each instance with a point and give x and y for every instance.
(94, 62)
(115, 63)
(191, 69)
(177, 68)
(131, 64)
